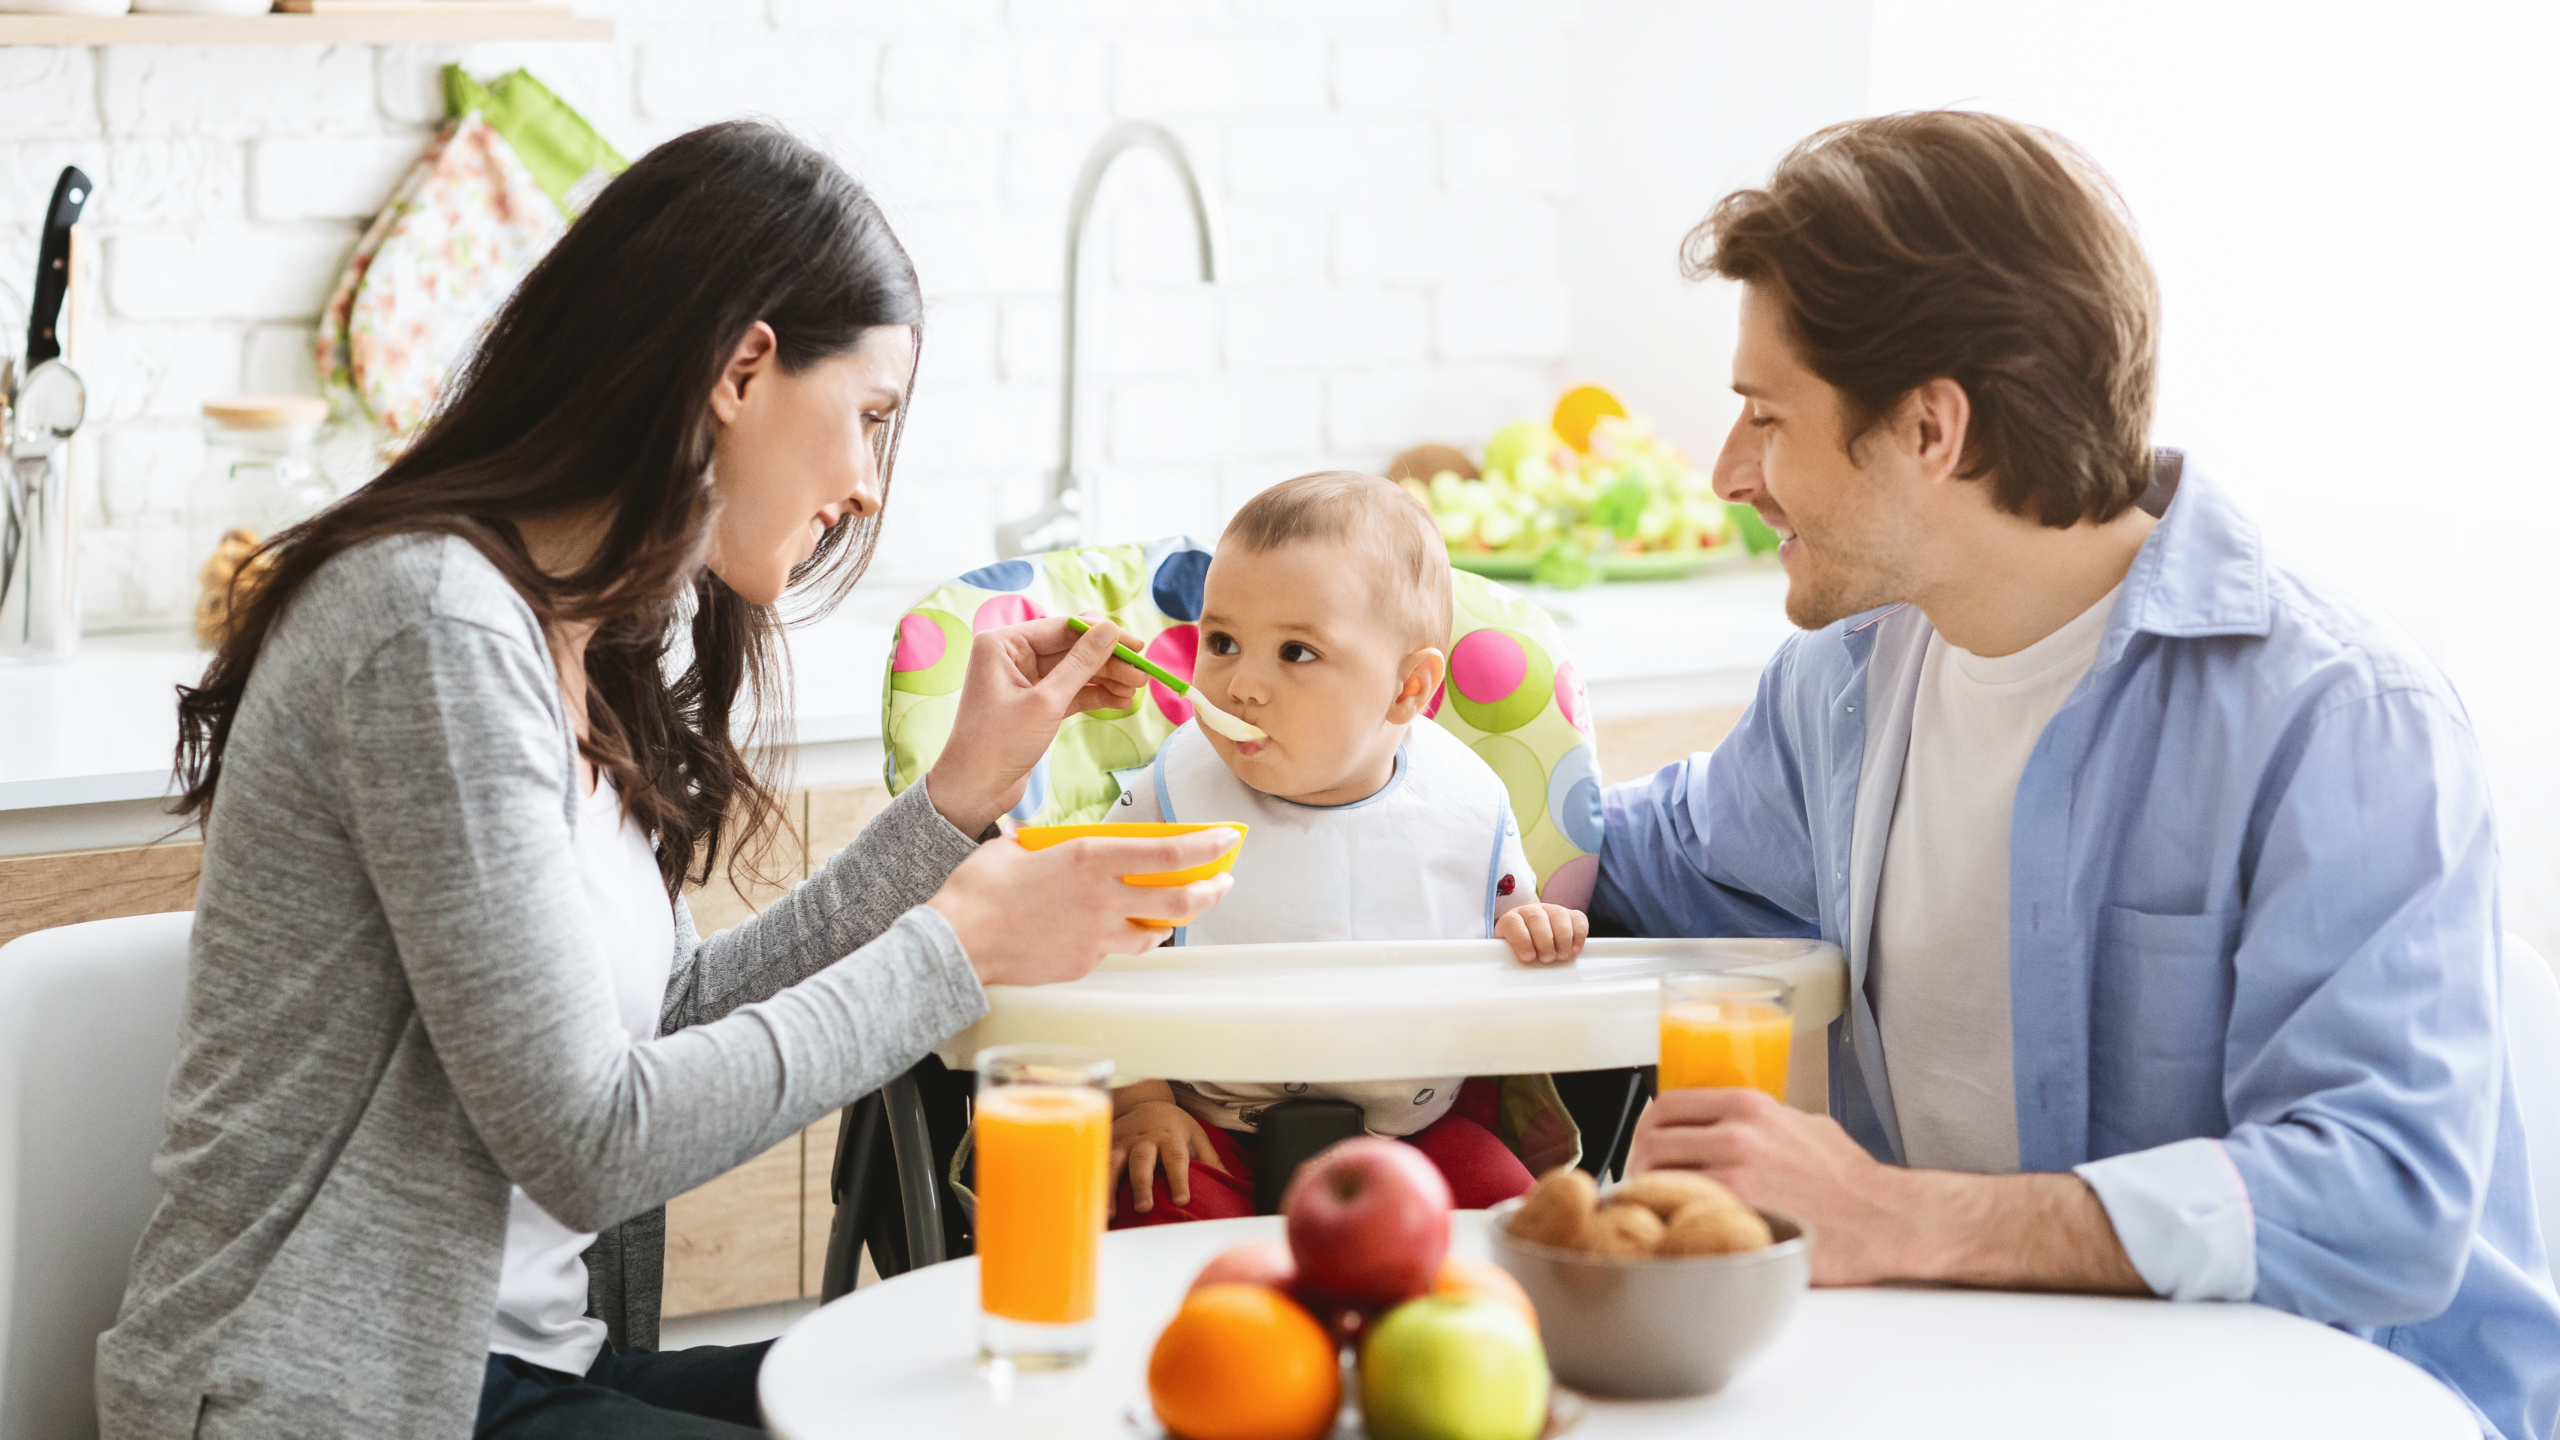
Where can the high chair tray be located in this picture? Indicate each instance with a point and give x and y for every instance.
(1357, 1010)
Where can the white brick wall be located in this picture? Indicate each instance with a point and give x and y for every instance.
(1389, 176)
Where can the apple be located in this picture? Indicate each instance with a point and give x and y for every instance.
(1368, 1222)
(1462, 1276)
(1450, 1367)
(1256, 1262)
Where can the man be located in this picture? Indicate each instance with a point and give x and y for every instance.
(2166, 875)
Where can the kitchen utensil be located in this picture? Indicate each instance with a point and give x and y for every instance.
(1210, 715)
(39, 609)
(39, 604)
(1653, 1326)
(71, 191)
(39, 597)
(50, 404)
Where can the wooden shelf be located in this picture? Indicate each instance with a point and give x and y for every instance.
(295, 29)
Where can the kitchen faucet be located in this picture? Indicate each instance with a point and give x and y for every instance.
(1071, 509)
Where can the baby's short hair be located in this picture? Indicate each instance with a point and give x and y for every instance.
(1412, 578)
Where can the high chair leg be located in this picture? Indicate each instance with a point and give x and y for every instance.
(1604, 1105)
(892, 1148)
(918, 1195)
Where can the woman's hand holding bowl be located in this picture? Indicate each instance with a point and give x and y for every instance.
(1029, 917)
(1024, 681)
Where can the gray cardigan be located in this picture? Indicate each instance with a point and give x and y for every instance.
(392, 1014)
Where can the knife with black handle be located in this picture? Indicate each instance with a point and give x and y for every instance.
(53, 265)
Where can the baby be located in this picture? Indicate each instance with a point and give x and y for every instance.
(1326, 623)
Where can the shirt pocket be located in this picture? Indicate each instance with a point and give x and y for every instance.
(2159, 1018)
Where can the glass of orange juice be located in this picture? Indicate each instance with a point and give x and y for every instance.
(1043, 1174)
(1725, 1029)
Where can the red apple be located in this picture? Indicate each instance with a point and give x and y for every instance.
(1368, 1222)
(1256, 1262)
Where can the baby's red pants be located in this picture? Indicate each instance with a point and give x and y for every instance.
(1480, 1169)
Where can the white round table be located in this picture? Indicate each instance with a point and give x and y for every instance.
(899, 1358)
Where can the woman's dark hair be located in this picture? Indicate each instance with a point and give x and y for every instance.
(592, 391)
(1943, 243)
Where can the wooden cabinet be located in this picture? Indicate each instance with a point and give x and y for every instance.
(38, 892)
(759, 1233)
(756, 1234)
(1635, 746)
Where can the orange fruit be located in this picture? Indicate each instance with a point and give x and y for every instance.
(1474, 1279)
(1581, 408)
(1244, 1362)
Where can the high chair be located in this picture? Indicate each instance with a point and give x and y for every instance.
(1512, 696)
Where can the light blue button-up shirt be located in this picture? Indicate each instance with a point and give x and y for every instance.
(2253, 942)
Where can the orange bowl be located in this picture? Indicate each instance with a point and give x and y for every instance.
(1041, 837)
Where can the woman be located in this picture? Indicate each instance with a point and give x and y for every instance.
(444, 1025)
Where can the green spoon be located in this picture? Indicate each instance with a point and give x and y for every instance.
(1210, 715)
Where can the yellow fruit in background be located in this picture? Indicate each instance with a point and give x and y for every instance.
(1244, 1362)
(1579, 410)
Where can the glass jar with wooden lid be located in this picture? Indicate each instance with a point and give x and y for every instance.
(260, 475)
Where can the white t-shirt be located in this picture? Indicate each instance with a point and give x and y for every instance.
(1434, 855)
(542, 1285)
(1938, 964)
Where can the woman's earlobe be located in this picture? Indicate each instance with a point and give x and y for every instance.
(728, 397)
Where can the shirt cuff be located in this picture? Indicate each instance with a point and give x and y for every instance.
(2183, 1217)
(922, 789)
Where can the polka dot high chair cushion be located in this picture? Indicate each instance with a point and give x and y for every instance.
(1150, 590)
(1513, 696)
(1512, 693)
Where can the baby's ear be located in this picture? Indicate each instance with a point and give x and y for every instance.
(1423, 671)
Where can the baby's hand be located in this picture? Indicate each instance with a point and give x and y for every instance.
(1543, 934)
(1155, 1131)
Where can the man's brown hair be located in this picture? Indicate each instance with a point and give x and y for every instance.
(1411, 576)
(1945, 243)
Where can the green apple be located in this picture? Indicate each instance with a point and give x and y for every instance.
(1448, 1367)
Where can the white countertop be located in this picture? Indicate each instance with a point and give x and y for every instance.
(86, 745)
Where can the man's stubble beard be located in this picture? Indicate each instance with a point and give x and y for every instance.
(1861, 573)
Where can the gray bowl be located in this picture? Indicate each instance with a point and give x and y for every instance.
(1651, 1328)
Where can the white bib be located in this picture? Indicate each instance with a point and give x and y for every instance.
(1433, 856)
(1423, 859)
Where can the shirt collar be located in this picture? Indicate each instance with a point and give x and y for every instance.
(2202, 571)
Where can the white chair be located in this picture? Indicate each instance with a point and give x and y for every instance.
(2533, 1058)
(88, 1027)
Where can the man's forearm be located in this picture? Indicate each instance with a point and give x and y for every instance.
(2017, 1232)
